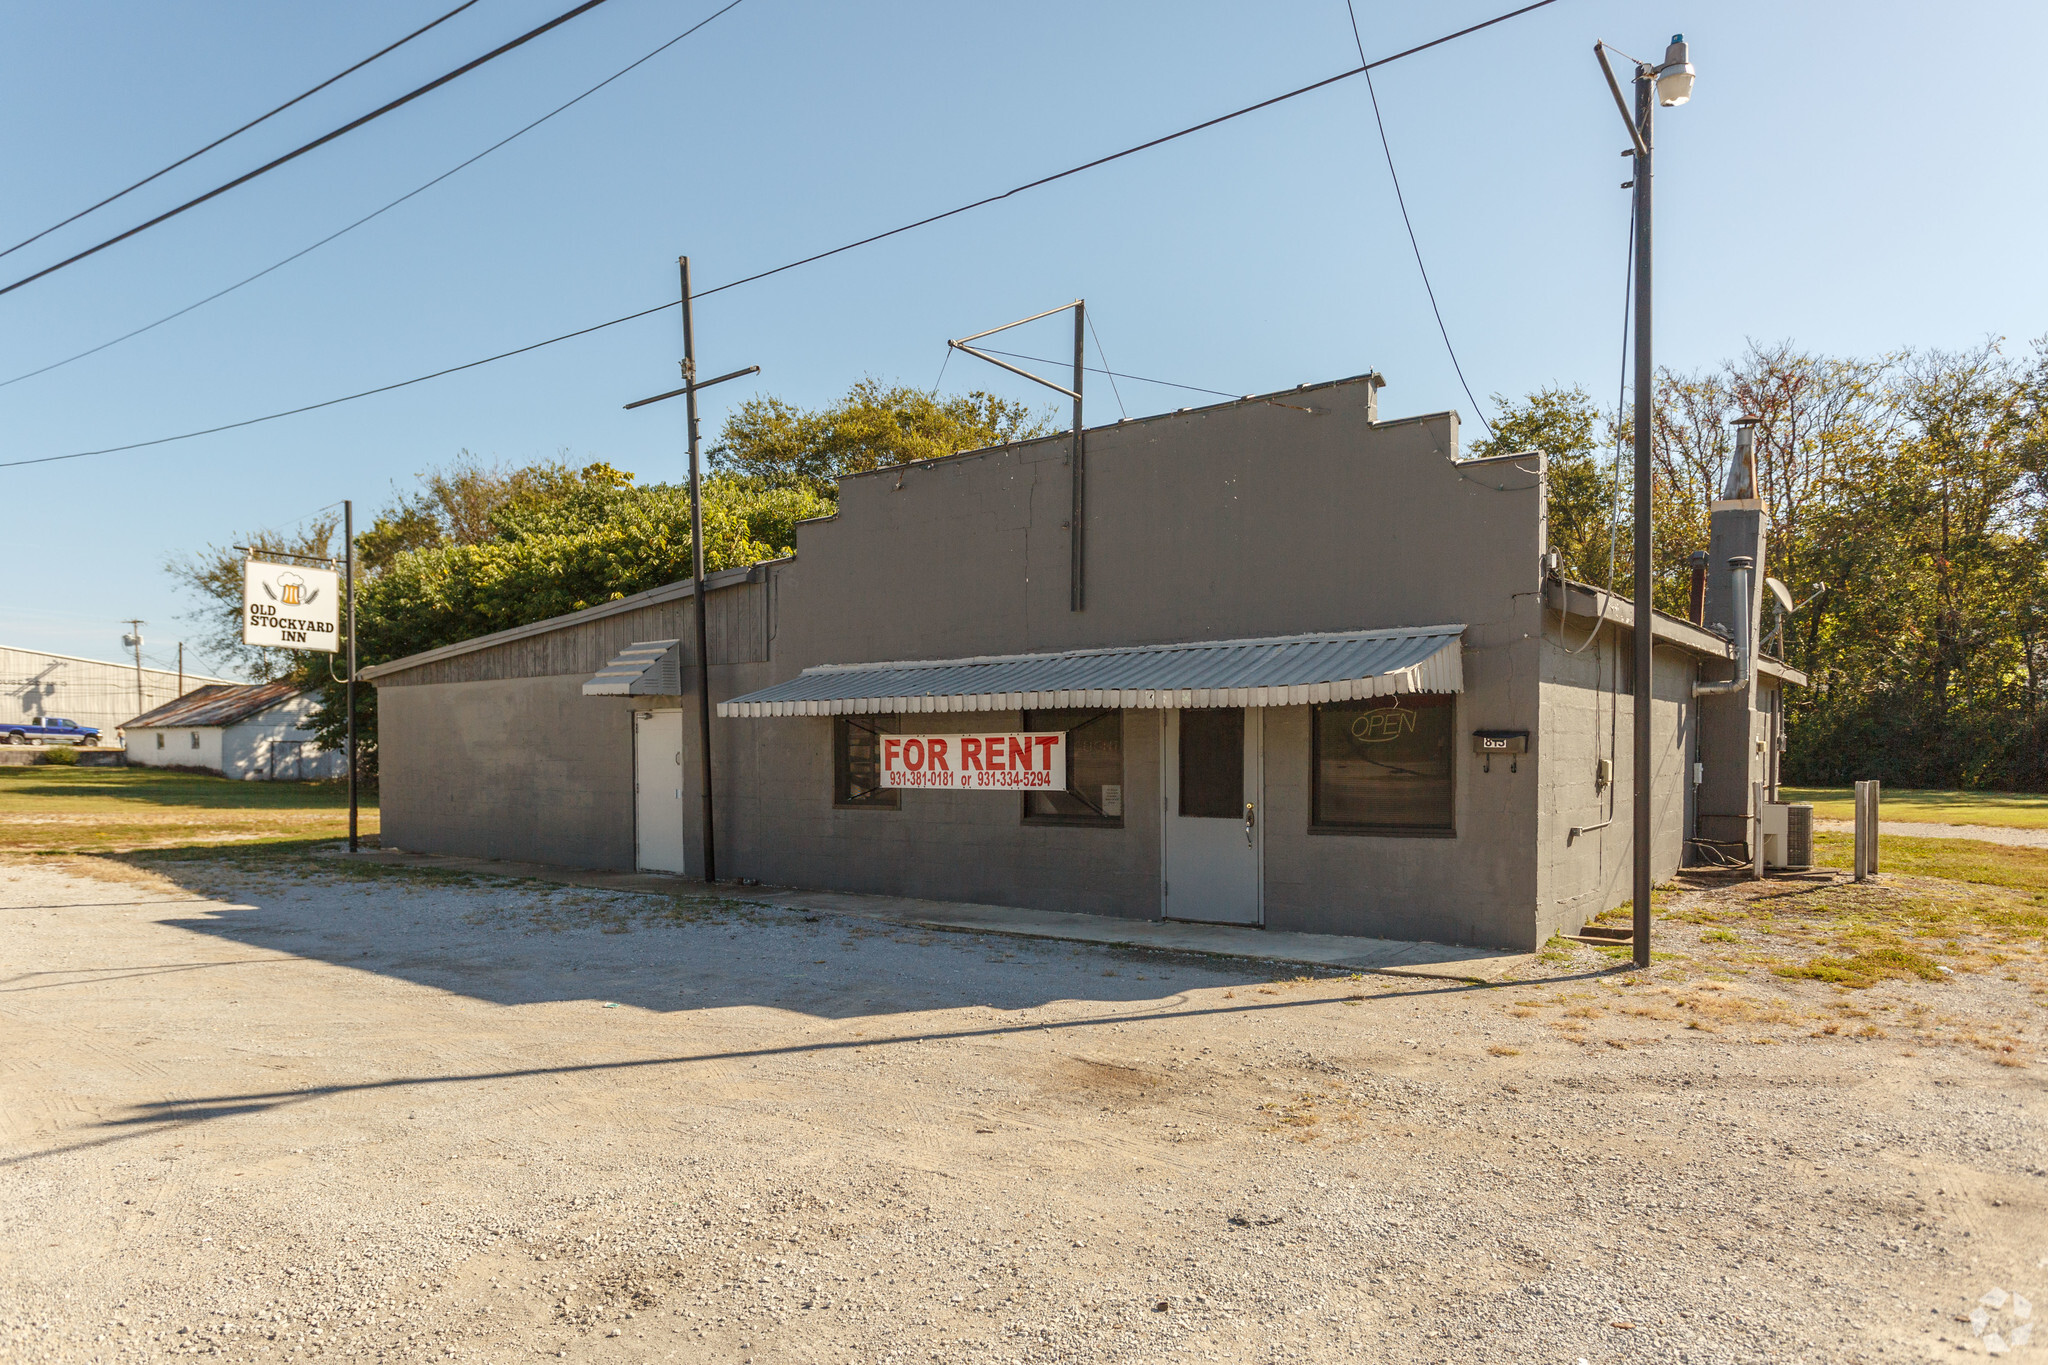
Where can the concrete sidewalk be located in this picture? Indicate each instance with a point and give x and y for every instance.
(1391, 957)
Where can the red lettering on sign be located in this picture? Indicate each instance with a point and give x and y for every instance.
(992, 753)
(1020, 752)
(913, 754)
(1046, 744)
(890, 744)
(970, 753)
(938, 754)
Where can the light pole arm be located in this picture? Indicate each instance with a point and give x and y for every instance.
(1614, 86)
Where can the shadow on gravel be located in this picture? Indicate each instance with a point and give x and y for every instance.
(164, 1115)
(514, 943)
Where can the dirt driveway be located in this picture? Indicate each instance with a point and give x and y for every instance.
(258, 1110)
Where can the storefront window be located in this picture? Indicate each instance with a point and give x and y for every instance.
(1095, 770)
(857, 763)
(1384, 766)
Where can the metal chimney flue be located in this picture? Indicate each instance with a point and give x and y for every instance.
(1742, 485)
(1739, 569)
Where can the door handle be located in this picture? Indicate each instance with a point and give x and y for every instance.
(1250, 819)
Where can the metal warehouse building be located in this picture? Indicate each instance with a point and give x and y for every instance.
(1321, 679)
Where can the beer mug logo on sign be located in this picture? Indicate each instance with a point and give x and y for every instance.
(290, 590)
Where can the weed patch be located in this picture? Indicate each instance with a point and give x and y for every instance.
(1866, 969)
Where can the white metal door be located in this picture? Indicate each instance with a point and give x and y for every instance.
(658, 790)
(1213, 776)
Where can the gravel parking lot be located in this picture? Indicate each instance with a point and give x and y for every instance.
(266, 1110)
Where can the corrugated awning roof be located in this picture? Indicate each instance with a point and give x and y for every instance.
(646, 668)
(1288, 670)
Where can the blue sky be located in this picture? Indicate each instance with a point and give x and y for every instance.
(1849, 177)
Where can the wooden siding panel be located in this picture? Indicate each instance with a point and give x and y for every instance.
(737, 631)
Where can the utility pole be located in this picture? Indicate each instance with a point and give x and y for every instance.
(134, 638)
(348, 575)
(181, 668)
(688, 392)
(1646, 630)
(1671, 85)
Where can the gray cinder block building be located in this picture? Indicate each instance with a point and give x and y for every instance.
(1323, 679)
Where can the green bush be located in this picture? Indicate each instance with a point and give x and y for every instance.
(63, 755)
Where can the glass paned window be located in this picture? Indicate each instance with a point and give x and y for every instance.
(857, 762)
(1095, 770)
(1384, 766)
(1212, 763)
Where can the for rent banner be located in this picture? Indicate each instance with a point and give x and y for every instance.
(1008, 762)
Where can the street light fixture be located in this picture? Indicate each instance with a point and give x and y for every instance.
(1674, 78)
(1670, 85)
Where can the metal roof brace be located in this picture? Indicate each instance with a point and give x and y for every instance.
(1077, 522)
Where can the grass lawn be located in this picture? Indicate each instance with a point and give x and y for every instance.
(46, 809)
(1957, 860)
(2014, 810)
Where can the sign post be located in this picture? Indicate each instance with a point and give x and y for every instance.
(299, 606)
(348, 566)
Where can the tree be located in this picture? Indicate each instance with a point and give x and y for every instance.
(452, 506)
(1915, 485)
(1564, 427)
(785, 446)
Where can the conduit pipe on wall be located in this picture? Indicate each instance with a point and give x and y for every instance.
(1745, 635)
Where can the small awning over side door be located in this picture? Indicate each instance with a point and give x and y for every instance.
(647, 668)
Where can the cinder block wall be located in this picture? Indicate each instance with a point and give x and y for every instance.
(1249, 520)
(527, 769)
(1588, 706)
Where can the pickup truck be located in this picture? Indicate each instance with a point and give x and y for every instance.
(47, 730)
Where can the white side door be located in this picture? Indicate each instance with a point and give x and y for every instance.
(1213, 777)
(658, 791)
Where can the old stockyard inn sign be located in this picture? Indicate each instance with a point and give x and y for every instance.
(290, 608)
(1005, 762)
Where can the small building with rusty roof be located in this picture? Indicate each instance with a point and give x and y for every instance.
(256, 731)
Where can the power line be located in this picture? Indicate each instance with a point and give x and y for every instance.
(1628, 298)
(380, 52)
(320, 141)
(792, 265)
(347, 398)
(222, 293)
(1414, 245)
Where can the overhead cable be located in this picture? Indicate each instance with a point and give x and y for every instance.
(816, 256)
(320, 141)
(1413, 244)
(191, 156)
(251, 279)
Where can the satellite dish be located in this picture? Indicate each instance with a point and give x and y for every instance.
(1781, 592)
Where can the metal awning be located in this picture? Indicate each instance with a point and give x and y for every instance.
(647, 668)
(1287, 670)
